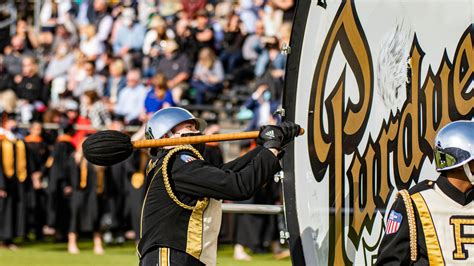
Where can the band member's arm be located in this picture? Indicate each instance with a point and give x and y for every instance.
(241, 162)
(395, 246)
(199, 178)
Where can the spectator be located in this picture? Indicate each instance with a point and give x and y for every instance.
(115, 82)
(253, 44)
(8, 101)
(158, 96)
(271, 59)
(208, 75)
(131, 99)
(191, 7)
(30, 90)
(76, 73)
(248, 15)
(6, 80)
(185, 40)
(64, 35)
(91, 81)
(272, 18)
(203, 33)
(154, 36)
(175, 66)
(102, 21)
(27, 33)
(231, 56)
(169, 8)
(90, 44)
(94, 110)
(288, 7)
(14, 55)
(129, 39)
(59, 65)
(262, 106)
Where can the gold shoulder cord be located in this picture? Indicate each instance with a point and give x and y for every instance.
(166, 178)
(411, 223)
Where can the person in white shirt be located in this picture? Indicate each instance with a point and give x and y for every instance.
(131, 99)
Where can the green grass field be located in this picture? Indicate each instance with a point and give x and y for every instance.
(51, 254)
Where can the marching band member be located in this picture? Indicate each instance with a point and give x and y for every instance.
(181, 212)
(431, 223)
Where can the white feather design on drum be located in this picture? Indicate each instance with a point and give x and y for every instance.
(392, 66)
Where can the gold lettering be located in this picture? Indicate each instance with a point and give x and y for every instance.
(337, 102)
(463, 105)
(459, 239)
(412, 112)
(368, 211)
(387, 135)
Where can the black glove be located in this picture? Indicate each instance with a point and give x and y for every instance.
(270, 137)
(290, 131)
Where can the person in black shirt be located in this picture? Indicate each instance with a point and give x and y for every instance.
(181, 211)
(30, 90)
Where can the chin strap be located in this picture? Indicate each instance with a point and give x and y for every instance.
(468, 172)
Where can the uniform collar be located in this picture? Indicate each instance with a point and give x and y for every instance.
(452, 192)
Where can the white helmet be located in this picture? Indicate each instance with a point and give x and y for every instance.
(454, 147)
(166, 119)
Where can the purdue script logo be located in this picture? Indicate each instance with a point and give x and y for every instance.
(404, 140)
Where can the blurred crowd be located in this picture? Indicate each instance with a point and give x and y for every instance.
(96, 64)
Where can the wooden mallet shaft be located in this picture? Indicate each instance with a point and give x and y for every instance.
(155, 143)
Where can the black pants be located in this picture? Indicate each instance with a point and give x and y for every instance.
(168, 257)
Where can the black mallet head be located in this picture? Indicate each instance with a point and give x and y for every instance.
(107, 147)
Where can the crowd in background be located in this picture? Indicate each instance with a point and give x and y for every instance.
(109, 64)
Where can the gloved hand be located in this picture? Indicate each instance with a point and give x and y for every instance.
(290, 131)
(270, 137)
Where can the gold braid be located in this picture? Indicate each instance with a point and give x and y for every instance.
(166, 178)
(411, 222)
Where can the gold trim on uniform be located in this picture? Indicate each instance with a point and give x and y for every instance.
(166, 178)
(21, 161)
(195, 227)
(7, 158)
(14, 159)
(83, 181)
(164, 257)
(411, 223)
(100, 179)
(435, 257)
(137, 180)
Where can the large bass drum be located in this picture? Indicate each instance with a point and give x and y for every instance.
(372, 82)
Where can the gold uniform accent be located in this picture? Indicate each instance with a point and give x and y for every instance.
(14, 158)
(164, 257)
(21, 161)
(435, 257)
(7, 158)
(137, 180)
(166, 178)
(83, 181)
(411, 223)
(100, 171)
